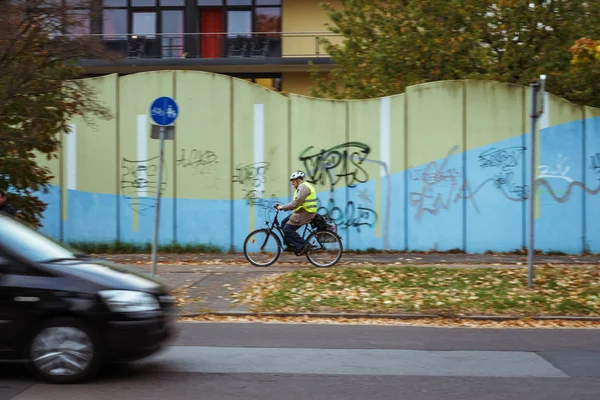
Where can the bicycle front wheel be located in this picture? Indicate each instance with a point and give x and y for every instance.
(262, 248)
(328, 249)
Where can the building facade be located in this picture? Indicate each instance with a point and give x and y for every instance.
(269, 42)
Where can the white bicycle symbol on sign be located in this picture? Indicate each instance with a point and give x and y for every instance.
(170, 112)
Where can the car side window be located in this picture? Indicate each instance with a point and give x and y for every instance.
(11, 267)
(5, 265)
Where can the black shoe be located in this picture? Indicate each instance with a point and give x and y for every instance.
(289, 249)
(304, 249)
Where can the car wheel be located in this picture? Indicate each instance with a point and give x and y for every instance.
(64, 350)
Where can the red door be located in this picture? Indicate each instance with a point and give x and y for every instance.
(211, 21)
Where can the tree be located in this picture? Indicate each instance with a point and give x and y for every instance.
(389, 45)
(40, 93)
(585, 52)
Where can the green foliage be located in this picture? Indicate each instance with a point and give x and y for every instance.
(389, 45)
(132, 248)
(39, 94)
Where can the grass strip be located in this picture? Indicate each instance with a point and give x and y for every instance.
(446, 291)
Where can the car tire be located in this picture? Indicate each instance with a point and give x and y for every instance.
(64, 350)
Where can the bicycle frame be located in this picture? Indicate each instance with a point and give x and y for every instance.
(275, 225)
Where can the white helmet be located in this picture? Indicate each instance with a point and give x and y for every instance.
(297, 175)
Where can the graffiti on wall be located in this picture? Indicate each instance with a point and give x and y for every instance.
(442, 187)
(339, 163)
(196, 160)
(343, 165)
(595, 164)
(139, 183)
(351, 215)
(504, 162)
(559, 170)
(252, 178)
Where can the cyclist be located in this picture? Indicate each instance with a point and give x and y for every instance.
(305, 209)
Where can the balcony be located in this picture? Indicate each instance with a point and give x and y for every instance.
(219, 45)
(219, 52)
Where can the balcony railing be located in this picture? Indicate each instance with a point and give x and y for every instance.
(217, 45)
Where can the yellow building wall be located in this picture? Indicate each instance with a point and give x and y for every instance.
(301, 21)
(296, 83)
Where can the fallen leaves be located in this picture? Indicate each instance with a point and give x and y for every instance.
(182, 298)
(446, 291)
(434, 322)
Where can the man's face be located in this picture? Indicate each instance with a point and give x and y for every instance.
(295, 183)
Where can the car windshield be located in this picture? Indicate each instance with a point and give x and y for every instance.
(30, 244)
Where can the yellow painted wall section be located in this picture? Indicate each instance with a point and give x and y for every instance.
(97, 162)
(139, 153)
(261, 141)
(494, 112)
(324, 129)
(53, 165)
(434, 110)
(203, 140)
(364, 160)
(562, 111)
(591, 112)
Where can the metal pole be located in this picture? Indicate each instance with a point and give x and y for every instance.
(532, 177)
(158, 193)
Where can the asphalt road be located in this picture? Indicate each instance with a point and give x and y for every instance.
(284, 361)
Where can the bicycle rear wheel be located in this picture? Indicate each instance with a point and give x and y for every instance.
(328, 249)
(262, 248)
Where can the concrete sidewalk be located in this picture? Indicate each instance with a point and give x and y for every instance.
(208, 280)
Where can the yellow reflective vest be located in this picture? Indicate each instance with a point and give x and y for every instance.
(310, 202)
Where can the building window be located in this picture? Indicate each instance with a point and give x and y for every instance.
(268, 80)
(252, 28)
(172, 29)
(144, 24)
(267, 19)
(115, 24)
(239, 23)
(145, 28)
(143, 3)
(210, 3)
(79, 22)
(239, 2)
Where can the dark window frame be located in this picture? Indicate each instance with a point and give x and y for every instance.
(249, 7)
(155, 9)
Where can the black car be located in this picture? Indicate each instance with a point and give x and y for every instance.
(67, 314)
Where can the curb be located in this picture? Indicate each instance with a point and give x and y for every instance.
(386, 316)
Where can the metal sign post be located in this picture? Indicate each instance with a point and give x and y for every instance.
(536, 87)
(163, 111)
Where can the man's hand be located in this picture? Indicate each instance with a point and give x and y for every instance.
(278, 206)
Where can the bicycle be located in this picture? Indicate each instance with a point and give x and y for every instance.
(321, 234)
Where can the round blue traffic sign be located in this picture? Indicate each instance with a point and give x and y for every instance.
(164, 111)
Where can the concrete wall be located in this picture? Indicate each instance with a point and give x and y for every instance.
(443, 166)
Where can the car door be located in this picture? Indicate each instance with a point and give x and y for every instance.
(7, 312)
(24, 294)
